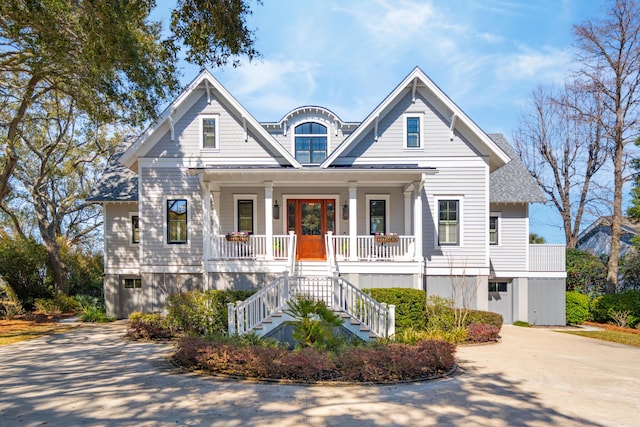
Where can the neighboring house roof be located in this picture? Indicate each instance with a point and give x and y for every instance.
(458, 117)
(117, 184)
(597, 237)
(512, 183)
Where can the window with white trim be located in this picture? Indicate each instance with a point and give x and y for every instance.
(245, 214)
(377, 213)
(413, 131)
(135, 228)
(209, 132)
(132, 283)
(177, 221)
(311, 143)
(494, 223)
(448, 222)
(498, 287)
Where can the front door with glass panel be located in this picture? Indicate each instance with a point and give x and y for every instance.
(310, 219)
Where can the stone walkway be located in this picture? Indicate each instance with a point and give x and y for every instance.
(535, 377)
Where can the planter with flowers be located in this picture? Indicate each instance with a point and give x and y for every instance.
(386, 238)
(237, 236)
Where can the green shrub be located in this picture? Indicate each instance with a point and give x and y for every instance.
(585, 272)
(410, 305)
(603, 307)
(58, 304)
(23, 266)
(484, 317)
(198, 313)
(95, 314)
(148, 326)
(314, 323)
(577, 307)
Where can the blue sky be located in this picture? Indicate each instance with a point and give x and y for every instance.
(487, 55)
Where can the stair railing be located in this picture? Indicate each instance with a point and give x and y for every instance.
(245, 315)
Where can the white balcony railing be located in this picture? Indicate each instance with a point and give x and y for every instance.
(547, 258)
(367, 248)
(253, 248)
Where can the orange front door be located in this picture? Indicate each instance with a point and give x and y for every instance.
(311, 219)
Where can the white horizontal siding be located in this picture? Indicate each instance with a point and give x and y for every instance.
(511, 253)
(469, 184)
(119, 252)
(436, 134)
(231, 136)
(155, 185)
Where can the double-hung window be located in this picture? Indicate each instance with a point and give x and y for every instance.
(245, 216)
(413, 131)
(493, 230)
(209, 132)
(176, 221)
(135, 229)
(377, 213)
(448, 222)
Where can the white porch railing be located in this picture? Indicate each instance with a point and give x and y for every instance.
(336, 292)
(547, 258)
(368, 249)
(254, 248)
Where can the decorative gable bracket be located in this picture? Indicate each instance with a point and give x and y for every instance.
(454, 118)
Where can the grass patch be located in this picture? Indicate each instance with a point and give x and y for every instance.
(521, 324)
(613, 336)
(13, 331)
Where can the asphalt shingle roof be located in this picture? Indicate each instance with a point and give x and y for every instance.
(512, 183)
(117, 184)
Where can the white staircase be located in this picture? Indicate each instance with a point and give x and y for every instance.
(263, 312)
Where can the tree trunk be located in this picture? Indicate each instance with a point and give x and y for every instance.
(616, 218)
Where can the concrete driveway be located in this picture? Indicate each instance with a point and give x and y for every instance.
(535, 377)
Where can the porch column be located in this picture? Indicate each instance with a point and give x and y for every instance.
(353, 221)
(268, 218)
(215, 220)
(407, 212)
(417, 220)
(206, 226)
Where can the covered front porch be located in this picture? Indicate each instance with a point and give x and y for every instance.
(255, 224)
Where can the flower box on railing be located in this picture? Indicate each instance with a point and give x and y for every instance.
(386, 238)
(237, 237)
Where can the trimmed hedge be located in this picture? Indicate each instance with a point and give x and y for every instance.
(485, 317)
(604, 306)
(383, 363)
(577, 307)
(411, 305)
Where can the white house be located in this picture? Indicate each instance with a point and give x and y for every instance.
(449, 204)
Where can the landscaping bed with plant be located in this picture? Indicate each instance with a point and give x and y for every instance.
(423, 347)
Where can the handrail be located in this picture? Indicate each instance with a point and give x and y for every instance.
(367, 248)
(336, 292)
(245, 315)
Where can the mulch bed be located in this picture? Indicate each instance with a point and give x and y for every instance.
(613, 327)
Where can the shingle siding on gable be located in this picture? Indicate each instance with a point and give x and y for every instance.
(169, 182)
(436, 135)
(231, 136)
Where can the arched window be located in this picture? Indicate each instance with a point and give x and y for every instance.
(311, 143)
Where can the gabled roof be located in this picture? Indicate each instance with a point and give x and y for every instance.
(138, 148)
(512, 182)
(118, 183)
(415, 77)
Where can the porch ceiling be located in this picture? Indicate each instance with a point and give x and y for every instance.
(313, 176)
